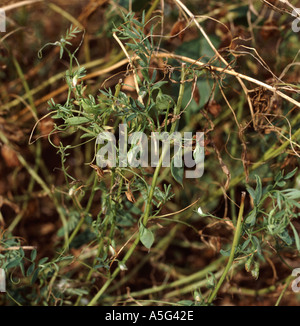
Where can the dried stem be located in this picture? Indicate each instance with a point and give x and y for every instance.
(232, 252)
(131, 66)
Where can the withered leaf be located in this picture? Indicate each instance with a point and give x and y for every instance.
(178, 29)
(214, 108)
(98, 170)
(196, 94)
(223, 167)
(129, 195)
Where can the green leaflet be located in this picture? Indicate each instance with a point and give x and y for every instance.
(146, 236)
(76, 120)
(177, 173)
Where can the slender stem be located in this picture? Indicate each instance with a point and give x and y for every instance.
(92, 195)
(235, 242)
(87, 209)
(18, 218)
(115, 273)
(117, 92)
(26, 87)
(13, 299)
(65, 14)
(152, 189)
(260, 292)
(108, 219)
(288, 281)
(191, 287)
(113, 210)
(233, 153)
(150, 11)
(180, 97)
(180, 282)
(137, 88)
